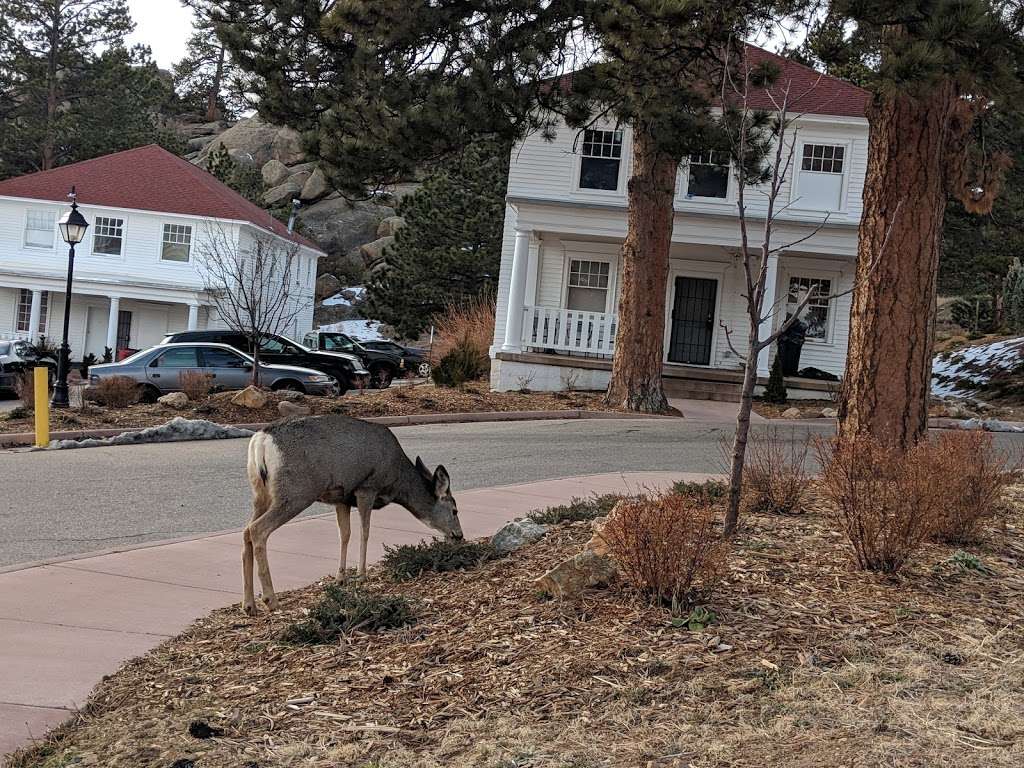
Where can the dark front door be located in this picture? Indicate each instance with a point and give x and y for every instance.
(693, 320)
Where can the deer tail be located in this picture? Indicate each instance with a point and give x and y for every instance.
(258, 459)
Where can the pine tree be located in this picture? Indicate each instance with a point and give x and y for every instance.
(1014, 296)
(206, 79)
(935, 67)
(244, 180)
(449, 249)
(390, 87)
(775, 390)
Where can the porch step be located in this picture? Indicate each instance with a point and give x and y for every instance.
(696, 389)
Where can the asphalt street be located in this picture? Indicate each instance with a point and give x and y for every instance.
(59, 503)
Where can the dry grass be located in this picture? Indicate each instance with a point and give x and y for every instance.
(471, 321)
(196, 384)
(808, 665)
(25, 389)
(669, 547)
(116, 392)
(776, 479)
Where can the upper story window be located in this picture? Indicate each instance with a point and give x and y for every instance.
(108, 236)
(588, 285)
(177, 243)
(822, 168)
(815, 313)
(39, 228)
(601, 158)
(708, 175)
(23, 321)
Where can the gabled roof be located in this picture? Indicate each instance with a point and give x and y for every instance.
(147, 179)
(810, 92)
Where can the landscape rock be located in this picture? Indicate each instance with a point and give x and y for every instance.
(960, 411)
(176, 430)
(282, 193)
(316, 186)
(251, 397)
(176, 400)
(829, 413)
(389, 226)
(573, 575)
(275, 173)
(290, 410)
(327, 285)
(199, 143)
(598, 544)
(295, 397)
(373, 252)
(517, 534)
(792, 413)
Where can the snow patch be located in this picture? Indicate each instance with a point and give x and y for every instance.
(177, 429)
(361, 330)
(346, 297)
(964, 372)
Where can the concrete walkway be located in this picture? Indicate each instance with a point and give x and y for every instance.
(65, 624)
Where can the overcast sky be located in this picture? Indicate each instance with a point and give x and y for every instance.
(163, 25)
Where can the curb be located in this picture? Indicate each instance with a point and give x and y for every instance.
(21, 439)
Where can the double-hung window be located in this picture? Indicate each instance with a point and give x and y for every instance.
(600, 160)
(39, 228)
(177, 243)
(822, 168)
(815, 314)
(108, 236)
(708, 175)
(23, 320)
(588, 285)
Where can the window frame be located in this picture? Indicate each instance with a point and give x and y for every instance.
(625, 154)
(684, 180)
(164, 243)
(95, 233)
(812, 275)
(611, 292)
(796, 197)
(44, 312)
(53, 232)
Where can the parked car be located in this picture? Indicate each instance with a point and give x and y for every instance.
(347, 369)
(18, 356)
(417, 361)
(158, 370)
(383, 365)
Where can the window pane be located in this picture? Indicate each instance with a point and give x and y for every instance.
(599, 174)
(23, 316)
(39, 229)
(184, 357)
(586, 299)
(108, 236)
(708, 181)
(177, 242)
(823, 158)
(815, 313)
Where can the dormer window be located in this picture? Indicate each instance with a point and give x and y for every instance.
(600, 160)
(708, 175)
(822, 168)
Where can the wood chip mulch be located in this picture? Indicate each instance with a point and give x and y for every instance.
(808, 663)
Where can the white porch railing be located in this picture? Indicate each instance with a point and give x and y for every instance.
(569, 330)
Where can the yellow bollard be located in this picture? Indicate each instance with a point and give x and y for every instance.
(42, 398)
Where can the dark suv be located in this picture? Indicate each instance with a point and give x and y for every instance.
(347, 369)
(382, 365)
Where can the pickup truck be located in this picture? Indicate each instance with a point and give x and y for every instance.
(383, 365)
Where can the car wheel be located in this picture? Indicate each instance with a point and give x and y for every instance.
(149, 394)
(380, 377)
(423, 370)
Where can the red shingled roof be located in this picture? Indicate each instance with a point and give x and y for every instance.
(146, 179)
(810, 92)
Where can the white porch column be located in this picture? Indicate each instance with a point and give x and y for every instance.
(517, 294)
(768, 310)
(115, 308)
(35, 316)
(193, 316)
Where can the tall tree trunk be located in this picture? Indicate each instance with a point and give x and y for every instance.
(49, 148)
(889, 363)
(212, 112)
(639, 341)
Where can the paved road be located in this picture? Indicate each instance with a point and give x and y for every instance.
(61, 503)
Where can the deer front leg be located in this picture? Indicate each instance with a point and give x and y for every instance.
(344, 514)
(365, 504)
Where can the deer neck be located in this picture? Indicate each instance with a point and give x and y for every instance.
(413, 494)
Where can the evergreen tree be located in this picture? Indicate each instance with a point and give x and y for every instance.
(775, 390)
(387, 88)
(246, 181)
(1014, 297)
(450, 246)
(206, 79)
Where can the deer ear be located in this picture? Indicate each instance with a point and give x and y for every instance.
(422, 469)
(442, 483)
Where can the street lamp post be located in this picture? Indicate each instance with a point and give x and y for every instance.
(72, 228)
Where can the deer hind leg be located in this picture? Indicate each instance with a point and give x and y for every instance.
(365, 504)
(260, 504)
(344, 513)
(259, 531)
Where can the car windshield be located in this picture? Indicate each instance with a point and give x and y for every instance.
(339, 342)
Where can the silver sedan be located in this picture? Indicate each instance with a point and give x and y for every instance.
(158, 370)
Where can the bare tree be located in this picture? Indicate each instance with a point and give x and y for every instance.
(763, 146)
(253, 286)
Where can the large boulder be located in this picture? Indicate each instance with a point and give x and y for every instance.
(327, 285)
(256, 143)
(287, 146)
(338, 226)
(389, 226)
(176, 400)
(517, 534)
(199, 143)
(573, 575)
(372, 253)
(275, 173)
(251, 397)
(316, 186)
(282, 194)
(792, 413)
(290, 410)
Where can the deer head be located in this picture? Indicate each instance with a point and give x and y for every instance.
(443, 516)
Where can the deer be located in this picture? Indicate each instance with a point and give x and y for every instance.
(339, 461)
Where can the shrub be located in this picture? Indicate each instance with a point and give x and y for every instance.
(709, 490)
(469, 322)
(346, 608)
(88, 361)
(887, 502)
(775, 390)
(972, 474)
(576, 510)
(116, 392)
(196, 384)
(410, 560)
(668, 547)
(464, 363)
(775, 479)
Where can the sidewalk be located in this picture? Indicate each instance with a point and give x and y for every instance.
(65, 624)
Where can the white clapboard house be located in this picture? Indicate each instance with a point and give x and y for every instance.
(137, 275)
(565, 222)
